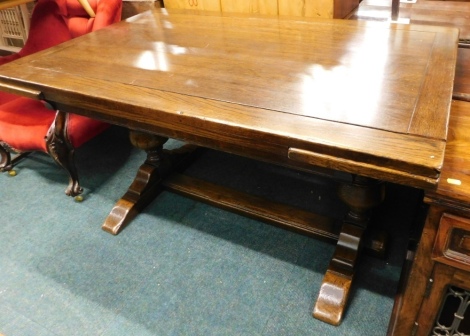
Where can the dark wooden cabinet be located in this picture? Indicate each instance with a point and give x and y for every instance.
(436, 295)
(438, 291)
(444, 310)
(306, 8)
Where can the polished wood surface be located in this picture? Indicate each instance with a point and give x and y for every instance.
(361, 97)
(364, 98)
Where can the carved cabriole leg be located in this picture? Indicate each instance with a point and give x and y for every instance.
(361, 196)
(62, 151)
(146, 185)
(5, 159)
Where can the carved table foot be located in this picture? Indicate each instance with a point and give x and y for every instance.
(61, 150)
(361, 195)
(146, 185)
(332, 298)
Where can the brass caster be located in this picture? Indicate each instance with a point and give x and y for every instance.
(78, 198)
(12, 172)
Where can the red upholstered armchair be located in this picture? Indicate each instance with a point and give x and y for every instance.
(30, 125)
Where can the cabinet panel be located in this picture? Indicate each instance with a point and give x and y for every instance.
(452, 245)
(308, 8)
(209, 5)
(317, 8)
(265, 7)
(454, 319)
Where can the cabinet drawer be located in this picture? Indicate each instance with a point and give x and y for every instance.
(452, 244)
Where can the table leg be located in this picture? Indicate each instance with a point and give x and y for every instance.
(395, 9)
(361, 195)
(146, 185)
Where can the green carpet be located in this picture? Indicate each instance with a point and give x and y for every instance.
(181, 267)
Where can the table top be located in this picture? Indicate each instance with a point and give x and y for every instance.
(362, 97)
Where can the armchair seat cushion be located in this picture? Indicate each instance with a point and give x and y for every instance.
(78, 21)
(19, 124)
(82, 129)
(5, 97)
(24, 122)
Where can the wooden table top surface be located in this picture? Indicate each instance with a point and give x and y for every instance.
(372, 96)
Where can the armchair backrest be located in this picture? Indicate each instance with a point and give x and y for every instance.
(79, 21)
(57, 21)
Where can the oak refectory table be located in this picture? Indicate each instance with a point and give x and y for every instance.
(367, 98)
